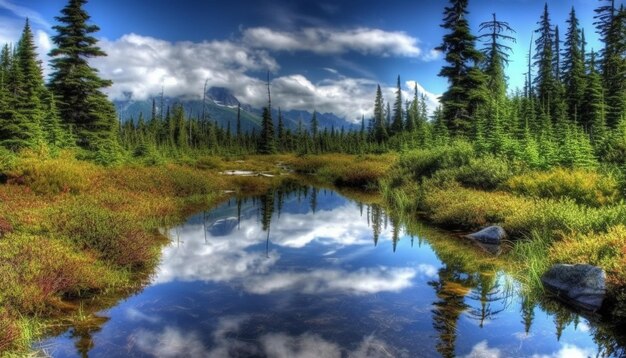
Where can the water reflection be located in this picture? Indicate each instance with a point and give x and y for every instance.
(306, 272)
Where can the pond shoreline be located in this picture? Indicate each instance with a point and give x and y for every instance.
(142, 199)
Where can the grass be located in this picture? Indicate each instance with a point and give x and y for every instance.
(66, 225)
(72, 229)
(364, 171)
(557, 216)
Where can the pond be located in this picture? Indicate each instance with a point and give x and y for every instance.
(307, 272)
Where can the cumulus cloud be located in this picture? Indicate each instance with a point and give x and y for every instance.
(142, 66)
(569, 351)
(326, 41)
(225, 255)
(359, 282)
(482, 350)
(175, 342)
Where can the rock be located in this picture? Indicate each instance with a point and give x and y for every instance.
(580, 285)
(491, 235)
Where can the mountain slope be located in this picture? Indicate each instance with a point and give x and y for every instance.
(221, 106)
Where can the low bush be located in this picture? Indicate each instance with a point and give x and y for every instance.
(607, 250)
(425, 162)
(35, 271)
(117, 237)
(7, 160)
(5, 227)
(582, 186)
(471, 209)
(345, 170)
(54, 175)
(486, 173)
(206, 162)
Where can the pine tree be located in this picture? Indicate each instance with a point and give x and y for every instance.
(20, 120)
(380, 129)
(496, 54)
(574, 69)
(614, 68)
(413, 112)
(314, 125)
(29, 103)
(75, 83)
(466, 80)
(281, 131)
(397, 125)
(267, 142)
(593, 107)
(545, 81)
(56, 136)
(238, 121)
(556, 61)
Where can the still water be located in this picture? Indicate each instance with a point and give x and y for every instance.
(305, 272)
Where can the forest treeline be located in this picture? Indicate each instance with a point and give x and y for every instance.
(571, 111)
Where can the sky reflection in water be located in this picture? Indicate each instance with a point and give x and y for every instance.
(303, 272)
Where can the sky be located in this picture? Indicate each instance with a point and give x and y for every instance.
(324, 55)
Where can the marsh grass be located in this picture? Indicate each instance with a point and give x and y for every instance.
(556, 216)
(72, 229)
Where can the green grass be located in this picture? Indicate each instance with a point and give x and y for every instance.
(560, 215)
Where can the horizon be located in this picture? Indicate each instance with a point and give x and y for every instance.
(321, 57)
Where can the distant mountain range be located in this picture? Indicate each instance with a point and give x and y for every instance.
(221, 106)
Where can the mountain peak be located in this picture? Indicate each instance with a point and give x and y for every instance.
(222, 96)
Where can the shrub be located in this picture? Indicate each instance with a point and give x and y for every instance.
(9, 332)
(471, 209)
(117, 237)
(35, 270)
(607, 250)
(425, 162)
(582, 186)
(7, 160)
(54, 176)
(485, 173)
(5, 227)
(345, 170)
(208, 163)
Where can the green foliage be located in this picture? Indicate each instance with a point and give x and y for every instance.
(267, 143)
(8, 159)
(52, 176)
(582, 186)
(424, 163)
(113, 236)
(75, 83)
(466, 91)
(605, 250)
(487, 173)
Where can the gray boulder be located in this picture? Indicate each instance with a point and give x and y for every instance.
(491, 235)
(583, 286)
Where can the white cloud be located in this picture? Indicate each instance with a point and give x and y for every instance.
(142, 65)
(432, 55)
(432, 100)
(226, 256)
(326, 41)
(359, 282)
(569, 351)
(174, 342)
(482, 350)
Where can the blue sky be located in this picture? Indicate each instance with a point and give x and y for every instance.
(327, 55)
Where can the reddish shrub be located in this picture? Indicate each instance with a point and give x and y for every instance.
(5, 227)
